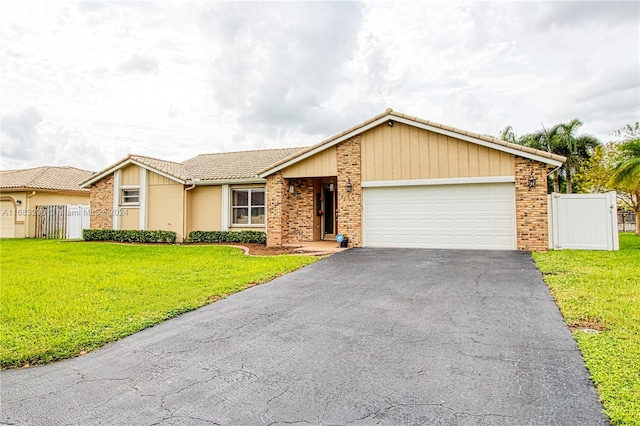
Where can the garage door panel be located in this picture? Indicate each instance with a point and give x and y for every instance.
(474, 216)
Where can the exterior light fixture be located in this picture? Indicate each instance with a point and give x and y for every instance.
(291, 188)
(390, 123)
(331, 185)
(349, 186)
(532, 181)
(18, 202)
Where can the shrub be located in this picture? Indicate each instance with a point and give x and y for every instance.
(227, 237)
(129, 236)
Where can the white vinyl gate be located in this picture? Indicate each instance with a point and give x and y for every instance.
(78, 218)
(583, 221)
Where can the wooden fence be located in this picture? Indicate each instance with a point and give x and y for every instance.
(51, 222)
(626, 222)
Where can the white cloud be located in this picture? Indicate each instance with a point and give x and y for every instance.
(173, 80)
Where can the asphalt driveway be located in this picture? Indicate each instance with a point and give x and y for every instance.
(367, 336)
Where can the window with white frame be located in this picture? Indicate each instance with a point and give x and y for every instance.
(130, 196)
(247, 206)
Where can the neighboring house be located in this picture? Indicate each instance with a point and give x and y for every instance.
(22, 191)
(391, 181)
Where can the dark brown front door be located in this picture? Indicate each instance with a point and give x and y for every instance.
(329, 209)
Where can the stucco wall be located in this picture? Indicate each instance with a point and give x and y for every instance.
(204, 209)
(165, 205)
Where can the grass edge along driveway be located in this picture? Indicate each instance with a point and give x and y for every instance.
(598, 294)
(61, 299)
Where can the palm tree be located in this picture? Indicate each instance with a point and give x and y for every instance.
(626, 175)
(577, 149)
(561, 139)
(543, 140)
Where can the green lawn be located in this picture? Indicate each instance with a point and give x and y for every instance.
(601, 290)
(60, 299)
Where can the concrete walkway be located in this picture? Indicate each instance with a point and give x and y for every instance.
(363, 337)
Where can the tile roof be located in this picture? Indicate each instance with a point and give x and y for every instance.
(46, 177)
(235, 165)
(205, 167)
(389, 113)
(174, 169)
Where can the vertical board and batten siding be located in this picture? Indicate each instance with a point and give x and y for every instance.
(130, 176)
(403, 152)
(165, 209)
(323, 163)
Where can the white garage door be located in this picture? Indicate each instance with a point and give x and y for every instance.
(469, 216)
(7, 219)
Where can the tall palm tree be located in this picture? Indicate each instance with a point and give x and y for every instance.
(626, 175)
(562, 139)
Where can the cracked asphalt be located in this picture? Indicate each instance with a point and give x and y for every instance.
(366, 336)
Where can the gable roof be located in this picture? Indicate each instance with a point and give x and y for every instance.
(391, 115)
(48, 178)
(227, 166)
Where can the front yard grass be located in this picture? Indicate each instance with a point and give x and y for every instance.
(600, 291)
(60, 299)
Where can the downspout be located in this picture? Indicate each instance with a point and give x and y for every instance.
(185, 212)
(27, 215)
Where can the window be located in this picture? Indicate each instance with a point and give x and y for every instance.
(247, 207)
(130, 196)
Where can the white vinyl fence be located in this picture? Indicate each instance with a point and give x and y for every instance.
(583, 221)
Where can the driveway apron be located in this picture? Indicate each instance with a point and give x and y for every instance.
(366, 336)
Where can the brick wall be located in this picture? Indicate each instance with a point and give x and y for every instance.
(350, 203)
(299, 224)
(276, 214)
(101, 202)
(532, 226)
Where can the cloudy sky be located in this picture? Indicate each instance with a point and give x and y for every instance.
(85, 83)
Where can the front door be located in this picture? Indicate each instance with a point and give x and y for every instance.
(329, 209)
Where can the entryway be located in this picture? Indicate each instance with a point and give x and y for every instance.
(328, 207)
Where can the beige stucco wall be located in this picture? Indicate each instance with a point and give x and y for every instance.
(129, 218)
(166, 203)
(402, 152)
(130, 176)
(322, 164)
(204, 209)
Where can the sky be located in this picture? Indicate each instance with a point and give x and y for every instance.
(84, 83)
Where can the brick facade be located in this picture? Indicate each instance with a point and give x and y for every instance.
(276, 214)
(532, 225)
(101, 203)
(350, 203)
(299, 207)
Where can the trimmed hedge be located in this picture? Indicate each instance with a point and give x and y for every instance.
(227, 237)
(129, 236)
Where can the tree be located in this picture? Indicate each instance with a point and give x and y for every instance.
(561, 139)
(626, 172)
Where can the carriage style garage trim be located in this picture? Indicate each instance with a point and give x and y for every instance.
(401, 181)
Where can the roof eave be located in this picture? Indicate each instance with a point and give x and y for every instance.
(522, 151)
(123, 163)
